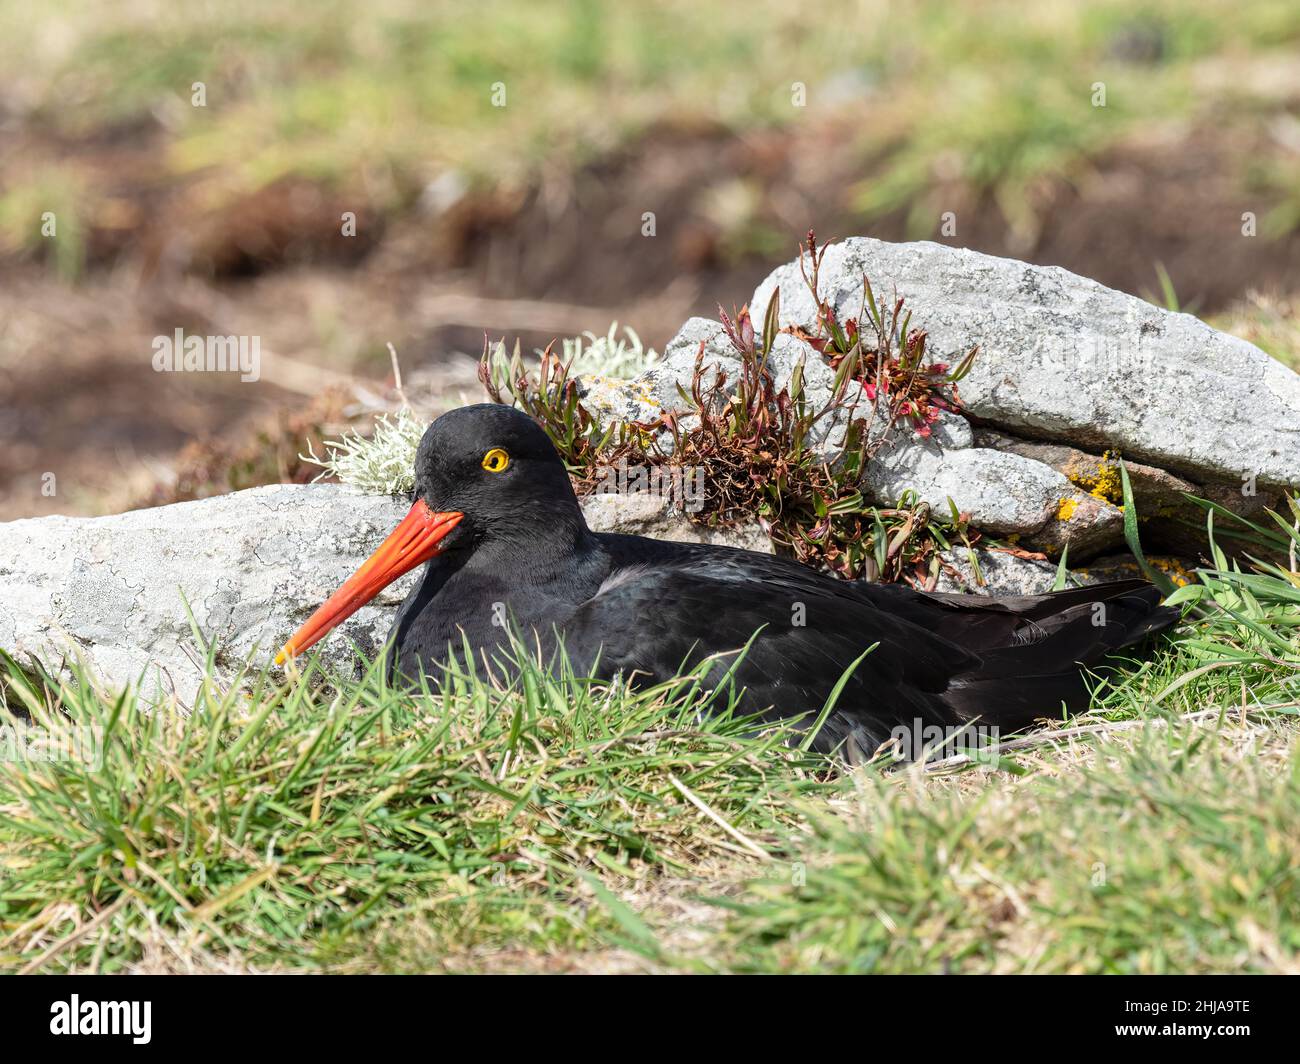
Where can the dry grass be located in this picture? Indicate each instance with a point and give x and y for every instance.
(1268, 321)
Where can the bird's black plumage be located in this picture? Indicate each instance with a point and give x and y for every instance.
(523, 555)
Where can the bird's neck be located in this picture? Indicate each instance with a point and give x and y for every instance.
(541, 544)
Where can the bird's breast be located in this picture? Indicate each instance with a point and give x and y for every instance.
(479, 609)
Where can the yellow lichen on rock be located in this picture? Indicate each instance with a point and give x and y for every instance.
(1066, 510)
(1101, 480)
(1174, 569)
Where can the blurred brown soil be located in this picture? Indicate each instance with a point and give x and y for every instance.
(79, 397)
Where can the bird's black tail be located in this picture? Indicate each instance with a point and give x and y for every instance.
(1033, 650)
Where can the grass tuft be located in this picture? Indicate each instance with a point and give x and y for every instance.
(1172, 848)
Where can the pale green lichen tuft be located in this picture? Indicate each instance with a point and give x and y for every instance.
(381, 463)
(610, 355)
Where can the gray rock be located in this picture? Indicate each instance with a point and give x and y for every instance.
(1066, 358)
(1003, 493)
(650, 514)
(695, 331)
(1084, 523)
(999, 573)
(789, 352)
(677, 367)
(251, 567)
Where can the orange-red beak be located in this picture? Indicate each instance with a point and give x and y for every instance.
(412, 543)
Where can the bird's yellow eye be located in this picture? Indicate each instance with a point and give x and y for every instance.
(496, 460)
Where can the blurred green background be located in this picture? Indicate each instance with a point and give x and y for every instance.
(502, 160)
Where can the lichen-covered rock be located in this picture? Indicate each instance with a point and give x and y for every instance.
(609, 399)
(1168, 516)
(1084, 523)
(1153, 489)
(1125, 567)
(1065, 358)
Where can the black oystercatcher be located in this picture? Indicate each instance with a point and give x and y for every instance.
(499, 530)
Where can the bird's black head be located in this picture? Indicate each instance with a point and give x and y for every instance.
(487, 478)
(495, 465)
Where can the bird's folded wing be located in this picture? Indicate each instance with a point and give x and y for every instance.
(806, 631)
